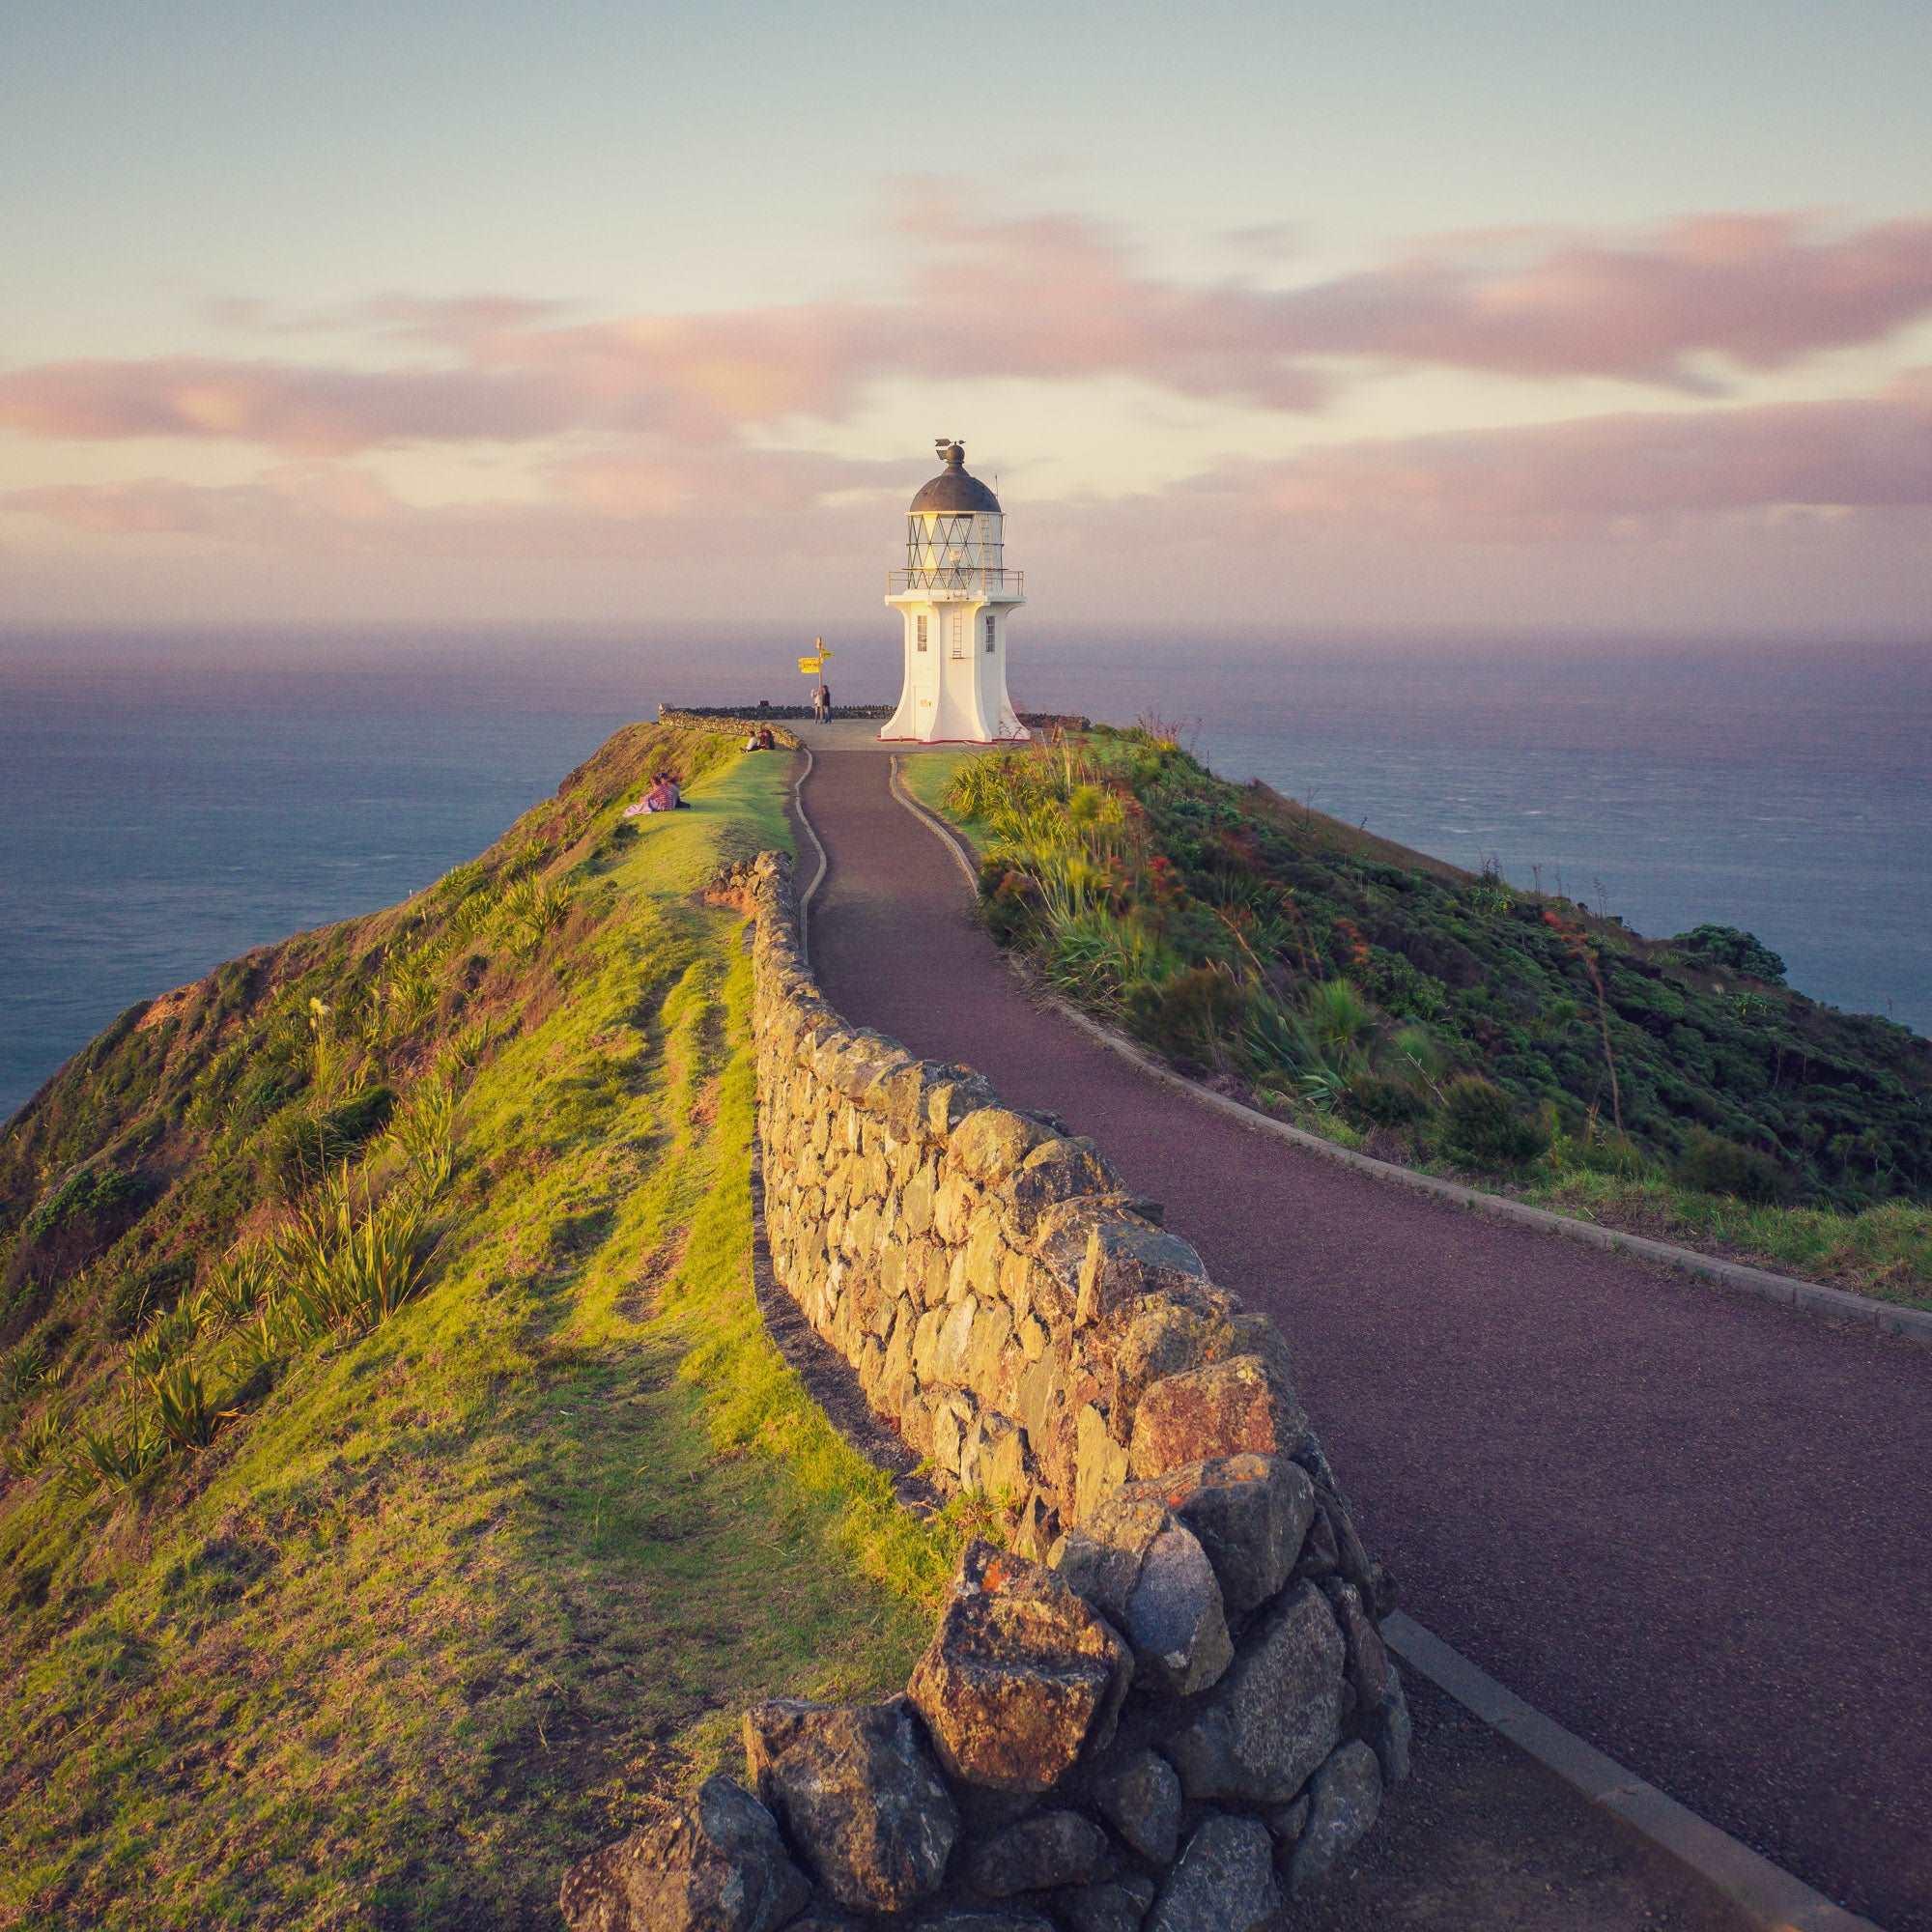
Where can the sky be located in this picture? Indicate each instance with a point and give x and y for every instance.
(1264, 318)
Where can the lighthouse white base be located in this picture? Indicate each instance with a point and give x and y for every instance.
(956, 673)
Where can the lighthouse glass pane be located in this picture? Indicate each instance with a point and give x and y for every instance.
(921, 634)
(990, 633)
(955, 632)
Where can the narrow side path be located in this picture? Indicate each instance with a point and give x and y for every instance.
(1694, 1527)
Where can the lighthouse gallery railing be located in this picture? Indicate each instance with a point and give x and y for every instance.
(970, 579)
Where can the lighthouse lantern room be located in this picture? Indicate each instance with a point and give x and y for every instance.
(955, 595)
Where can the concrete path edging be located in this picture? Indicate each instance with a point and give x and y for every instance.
(1763, 1892)
(810, 830)
(1838, 1304)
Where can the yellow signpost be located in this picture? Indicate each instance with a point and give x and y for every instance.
(814, 665)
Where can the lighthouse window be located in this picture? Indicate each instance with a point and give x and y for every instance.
(921, 634)
(990, 633)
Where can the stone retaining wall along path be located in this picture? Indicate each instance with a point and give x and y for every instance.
(1168, 1702)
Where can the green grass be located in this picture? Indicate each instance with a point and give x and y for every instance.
(446, 1603)
(1885, 1252)
(928, 777)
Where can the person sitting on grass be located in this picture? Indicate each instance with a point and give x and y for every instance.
(663, 796)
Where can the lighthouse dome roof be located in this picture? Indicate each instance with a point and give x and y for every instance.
(952, 490)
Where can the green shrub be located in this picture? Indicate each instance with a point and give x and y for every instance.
(1482, 1126)
(1337, 1020)
(109, 1458)
(232, 1289)
(95, 1192)
(1613, 1153)
(1735, 950)
(422, 1133)
(185, 1418)
(145, 1292)
(1191, 1011)
(1389, 1102)
(300, 1147)
(1715, 1166)
(168, 1336)
(38, 1441)
(340, 1263)
(535, 908)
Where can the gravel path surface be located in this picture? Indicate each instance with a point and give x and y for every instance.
(1694, 1527)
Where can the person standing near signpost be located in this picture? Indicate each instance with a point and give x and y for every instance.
(813, 666)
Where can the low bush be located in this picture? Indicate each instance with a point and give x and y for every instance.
(535, 908)
(422, 1133)
(164, 1339)
(110, 1458)
(36, 1442)
(142, 1294)
(94, 1192)
(342, 1261)
(232, 1289)
(1613, 1153)
(185, 1418)
(1738, 952)
(1190, 1012)
(300, 1147)
(1714, 1166)
(1387, 1102)
(1482, 1126)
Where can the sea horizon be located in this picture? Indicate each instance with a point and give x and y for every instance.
(175, 796)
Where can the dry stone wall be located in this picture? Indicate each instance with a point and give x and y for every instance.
(1168, 1701)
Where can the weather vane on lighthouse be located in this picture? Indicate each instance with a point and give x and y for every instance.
(955, 594)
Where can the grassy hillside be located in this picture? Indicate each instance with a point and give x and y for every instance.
(399, 1486)
(1448, 1018)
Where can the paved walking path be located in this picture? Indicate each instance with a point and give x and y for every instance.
(1694, 1528)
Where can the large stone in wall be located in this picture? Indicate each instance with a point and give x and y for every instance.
(1021, 1676)
(1058, 1170)
(858, 1794)
(991, 1144)
(1140, 1796)
(1223, 1882)
(1126, 1260)
(1039, 1854)
(1099, 1463)
(1274, 1717)
(1117, 1904)
(1230, 1408)
(1149, 1575)
(1250, 1514)
(716, 1864)
(1345, 1798)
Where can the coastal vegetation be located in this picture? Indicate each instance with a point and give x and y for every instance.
(1453, 1020)
(399, 1486)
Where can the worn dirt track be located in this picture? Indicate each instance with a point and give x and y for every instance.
(1694, 1528)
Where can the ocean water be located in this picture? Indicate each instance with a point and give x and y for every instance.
(167, 802)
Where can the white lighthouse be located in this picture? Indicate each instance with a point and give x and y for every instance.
(955, 594)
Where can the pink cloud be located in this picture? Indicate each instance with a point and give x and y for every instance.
(1628, 475)
(719, 502)
(290, 407)
(1630, 471)
(1053, 298)
(1758, 290)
